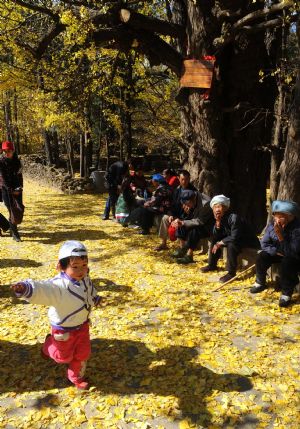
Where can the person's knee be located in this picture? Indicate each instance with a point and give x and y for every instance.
(82, 354)
(289, 266)
(233, 248)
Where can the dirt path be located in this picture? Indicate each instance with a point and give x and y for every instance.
(167, 351)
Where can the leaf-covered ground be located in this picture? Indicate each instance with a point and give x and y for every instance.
(168, 352)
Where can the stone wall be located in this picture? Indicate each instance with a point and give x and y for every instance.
(34, 168)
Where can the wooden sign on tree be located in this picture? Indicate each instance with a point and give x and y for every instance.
(198, 73)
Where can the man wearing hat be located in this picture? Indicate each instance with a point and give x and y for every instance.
(229, 231)
(11, 182)
(280, 244)
(194, 225)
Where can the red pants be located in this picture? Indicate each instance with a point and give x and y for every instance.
(73, 347)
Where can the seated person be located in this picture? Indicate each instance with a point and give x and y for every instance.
(176, 209)
(158, 204)
(230, 231)
(139, 186)
(171, 178)
(196, 224)
(280, 244)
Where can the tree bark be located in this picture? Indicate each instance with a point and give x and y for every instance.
(223, 140)
(82, 155)
(289, 185)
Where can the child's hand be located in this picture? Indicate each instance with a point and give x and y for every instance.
(18, 288)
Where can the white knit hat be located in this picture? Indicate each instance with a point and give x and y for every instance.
(72, 248)
(220, 199)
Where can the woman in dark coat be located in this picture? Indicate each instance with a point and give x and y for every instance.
(12, 186)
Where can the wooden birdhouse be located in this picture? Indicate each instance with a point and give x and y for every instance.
(197, 73)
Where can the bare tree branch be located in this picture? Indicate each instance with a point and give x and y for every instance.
(138, 21)
(36, 8)
(258, 14)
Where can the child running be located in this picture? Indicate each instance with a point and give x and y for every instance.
(71, 296)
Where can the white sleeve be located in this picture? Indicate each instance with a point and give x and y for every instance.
(43, 292)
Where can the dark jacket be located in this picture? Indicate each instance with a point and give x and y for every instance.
(176, 208)
(201, 214)
(10, 173)
(290, 246)
(234, 229)
(116, 172)
(161, 199)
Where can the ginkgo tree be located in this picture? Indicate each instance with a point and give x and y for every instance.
(81, 93)
(222, 136)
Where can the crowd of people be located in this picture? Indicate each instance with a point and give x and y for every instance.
(182, 213)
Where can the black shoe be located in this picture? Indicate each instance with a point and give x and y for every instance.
(226, 278)
(105, 217)
(256, 288)
(144, 232)
(14, 232)
(284, 301)
(16, 237)
(208, 268)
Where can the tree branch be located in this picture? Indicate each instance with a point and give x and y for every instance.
(159, 52)
(36, 8)
(258, 14)
(45, 42)
(141, 22)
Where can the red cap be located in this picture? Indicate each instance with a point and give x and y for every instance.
(8, 146)
(171, 232)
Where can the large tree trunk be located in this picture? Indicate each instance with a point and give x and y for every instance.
(277, 144)
(225, 133)
(289, 186)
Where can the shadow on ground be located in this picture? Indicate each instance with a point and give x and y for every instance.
(8, 263)
(54, 237)
(124, 368)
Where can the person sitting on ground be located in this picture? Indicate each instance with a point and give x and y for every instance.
(194, 225)
(176, 211)
(171, 178)
(280, 244)
(114, 177)
(157, 205)
(229, 231)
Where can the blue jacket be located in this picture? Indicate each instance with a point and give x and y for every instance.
(290, 246)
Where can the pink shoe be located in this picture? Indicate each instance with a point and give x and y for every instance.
(81, 384)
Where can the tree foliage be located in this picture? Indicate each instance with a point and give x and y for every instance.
(106, 68)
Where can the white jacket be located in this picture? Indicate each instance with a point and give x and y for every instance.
(70, 301)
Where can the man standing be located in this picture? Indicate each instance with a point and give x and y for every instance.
(11, 182)
(114, 177)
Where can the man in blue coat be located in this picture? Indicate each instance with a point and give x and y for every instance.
(280, 244)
